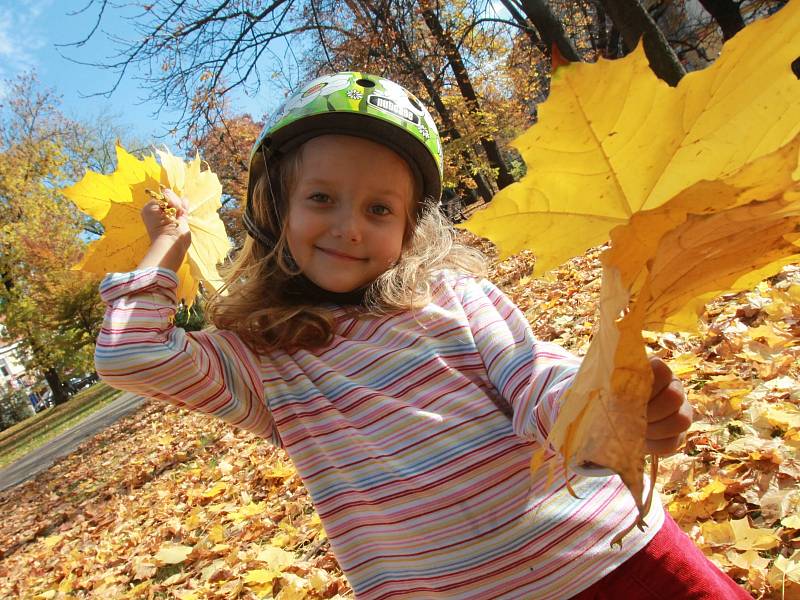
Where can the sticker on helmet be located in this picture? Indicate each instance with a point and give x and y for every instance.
(314, 88)
(390, 106)
(321, 87)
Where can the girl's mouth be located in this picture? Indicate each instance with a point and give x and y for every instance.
(337, 254)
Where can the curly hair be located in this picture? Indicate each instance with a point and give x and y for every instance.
(251, 303)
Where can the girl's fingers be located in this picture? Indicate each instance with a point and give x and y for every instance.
(666, 402)
(665, 446)
(671, 426)
(669, 414)
(180, 204)
(172, 198)
(153, 207)
(662, 375)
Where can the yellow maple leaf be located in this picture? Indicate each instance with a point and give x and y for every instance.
(173, 554)
(53, 541)
(612, 140)
(247, 511)
(260, 576)
(117, 199)
(194, 520)
(215, 490)
(216, 533)
(753, 538)
(699, 504)
(686, 362)
(717, 534)
(276, 558)
(697, 188)
(751, 561)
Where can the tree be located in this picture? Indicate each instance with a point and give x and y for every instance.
(727, 14)
(464, 59)
(444, 39)
(395, 39)
(634, 22)
(226, 149)
(53, 312)
(549, 27)
(193, 53)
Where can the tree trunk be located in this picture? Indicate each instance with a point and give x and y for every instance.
(450, 130)
(54, 381)
(634, 22)
(727, 15)
(602, 31)
(524, 23)
(489, 145)
(550, 28)
(484, 189)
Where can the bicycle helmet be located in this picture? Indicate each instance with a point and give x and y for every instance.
(349, 103)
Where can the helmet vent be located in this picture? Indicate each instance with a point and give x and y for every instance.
(414, 102)
(365, 83)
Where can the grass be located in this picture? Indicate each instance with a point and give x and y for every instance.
(30, 434)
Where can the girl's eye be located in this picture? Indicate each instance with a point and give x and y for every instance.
(380, 210)
(320, 198)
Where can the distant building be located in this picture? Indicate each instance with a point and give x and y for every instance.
(12, 372)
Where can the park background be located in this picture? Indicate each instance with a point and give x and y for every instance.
(169, 505)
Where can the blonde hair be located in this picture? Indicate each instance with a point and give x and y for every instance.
(254, 307)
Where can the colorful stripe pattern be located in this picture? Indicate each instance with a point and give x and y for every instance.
(423, 485)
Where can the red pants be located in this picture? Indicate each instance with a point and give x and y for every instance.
(669, 567)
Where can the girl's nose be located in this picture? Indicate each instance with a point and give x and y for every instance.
(348, 226)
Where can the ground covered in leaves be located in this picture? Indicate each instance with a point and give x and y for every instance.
(167, 504)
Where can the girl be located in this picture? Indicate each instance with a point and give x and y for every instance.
(408, 391)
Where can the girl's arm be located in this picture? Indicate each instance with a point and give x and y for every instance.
(530, 375)
(140, 350)
(533, 375)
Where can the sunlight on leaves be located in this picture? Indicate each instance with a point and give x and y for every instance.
(117, 199)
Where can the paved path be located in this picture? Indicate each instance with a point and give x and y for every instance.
(58, 447)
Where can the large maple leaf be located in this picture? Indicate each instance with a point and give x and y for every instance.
(697, 188)
(117, 199)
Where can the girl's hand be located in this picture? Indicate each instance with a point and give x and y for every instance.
(669, 414)
(167, 224)
(169, 218)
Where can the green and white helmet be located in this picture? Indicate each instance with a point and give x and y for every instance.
(359, 104)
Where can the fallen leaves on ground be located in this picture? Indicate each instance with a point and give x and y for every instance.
(171, 504)
(166, 504)
(734, 487)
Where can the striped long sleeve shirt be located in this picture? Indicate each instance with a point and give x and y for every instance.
(422, 483)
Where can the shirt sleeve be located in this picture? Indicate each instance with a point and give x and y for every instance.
(140, 350)
(530, 375)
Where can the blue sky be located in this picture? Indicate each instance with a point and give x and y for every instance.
(29, 34)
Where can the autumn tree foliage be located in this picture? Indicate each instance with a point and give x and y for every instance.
(226, 148)
(53, 312)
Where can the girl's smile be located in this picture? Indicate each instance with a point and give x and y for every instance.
(349, 211)
(337, 254)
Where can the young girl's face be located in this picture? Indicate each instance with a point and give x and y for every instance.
(349, 210)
